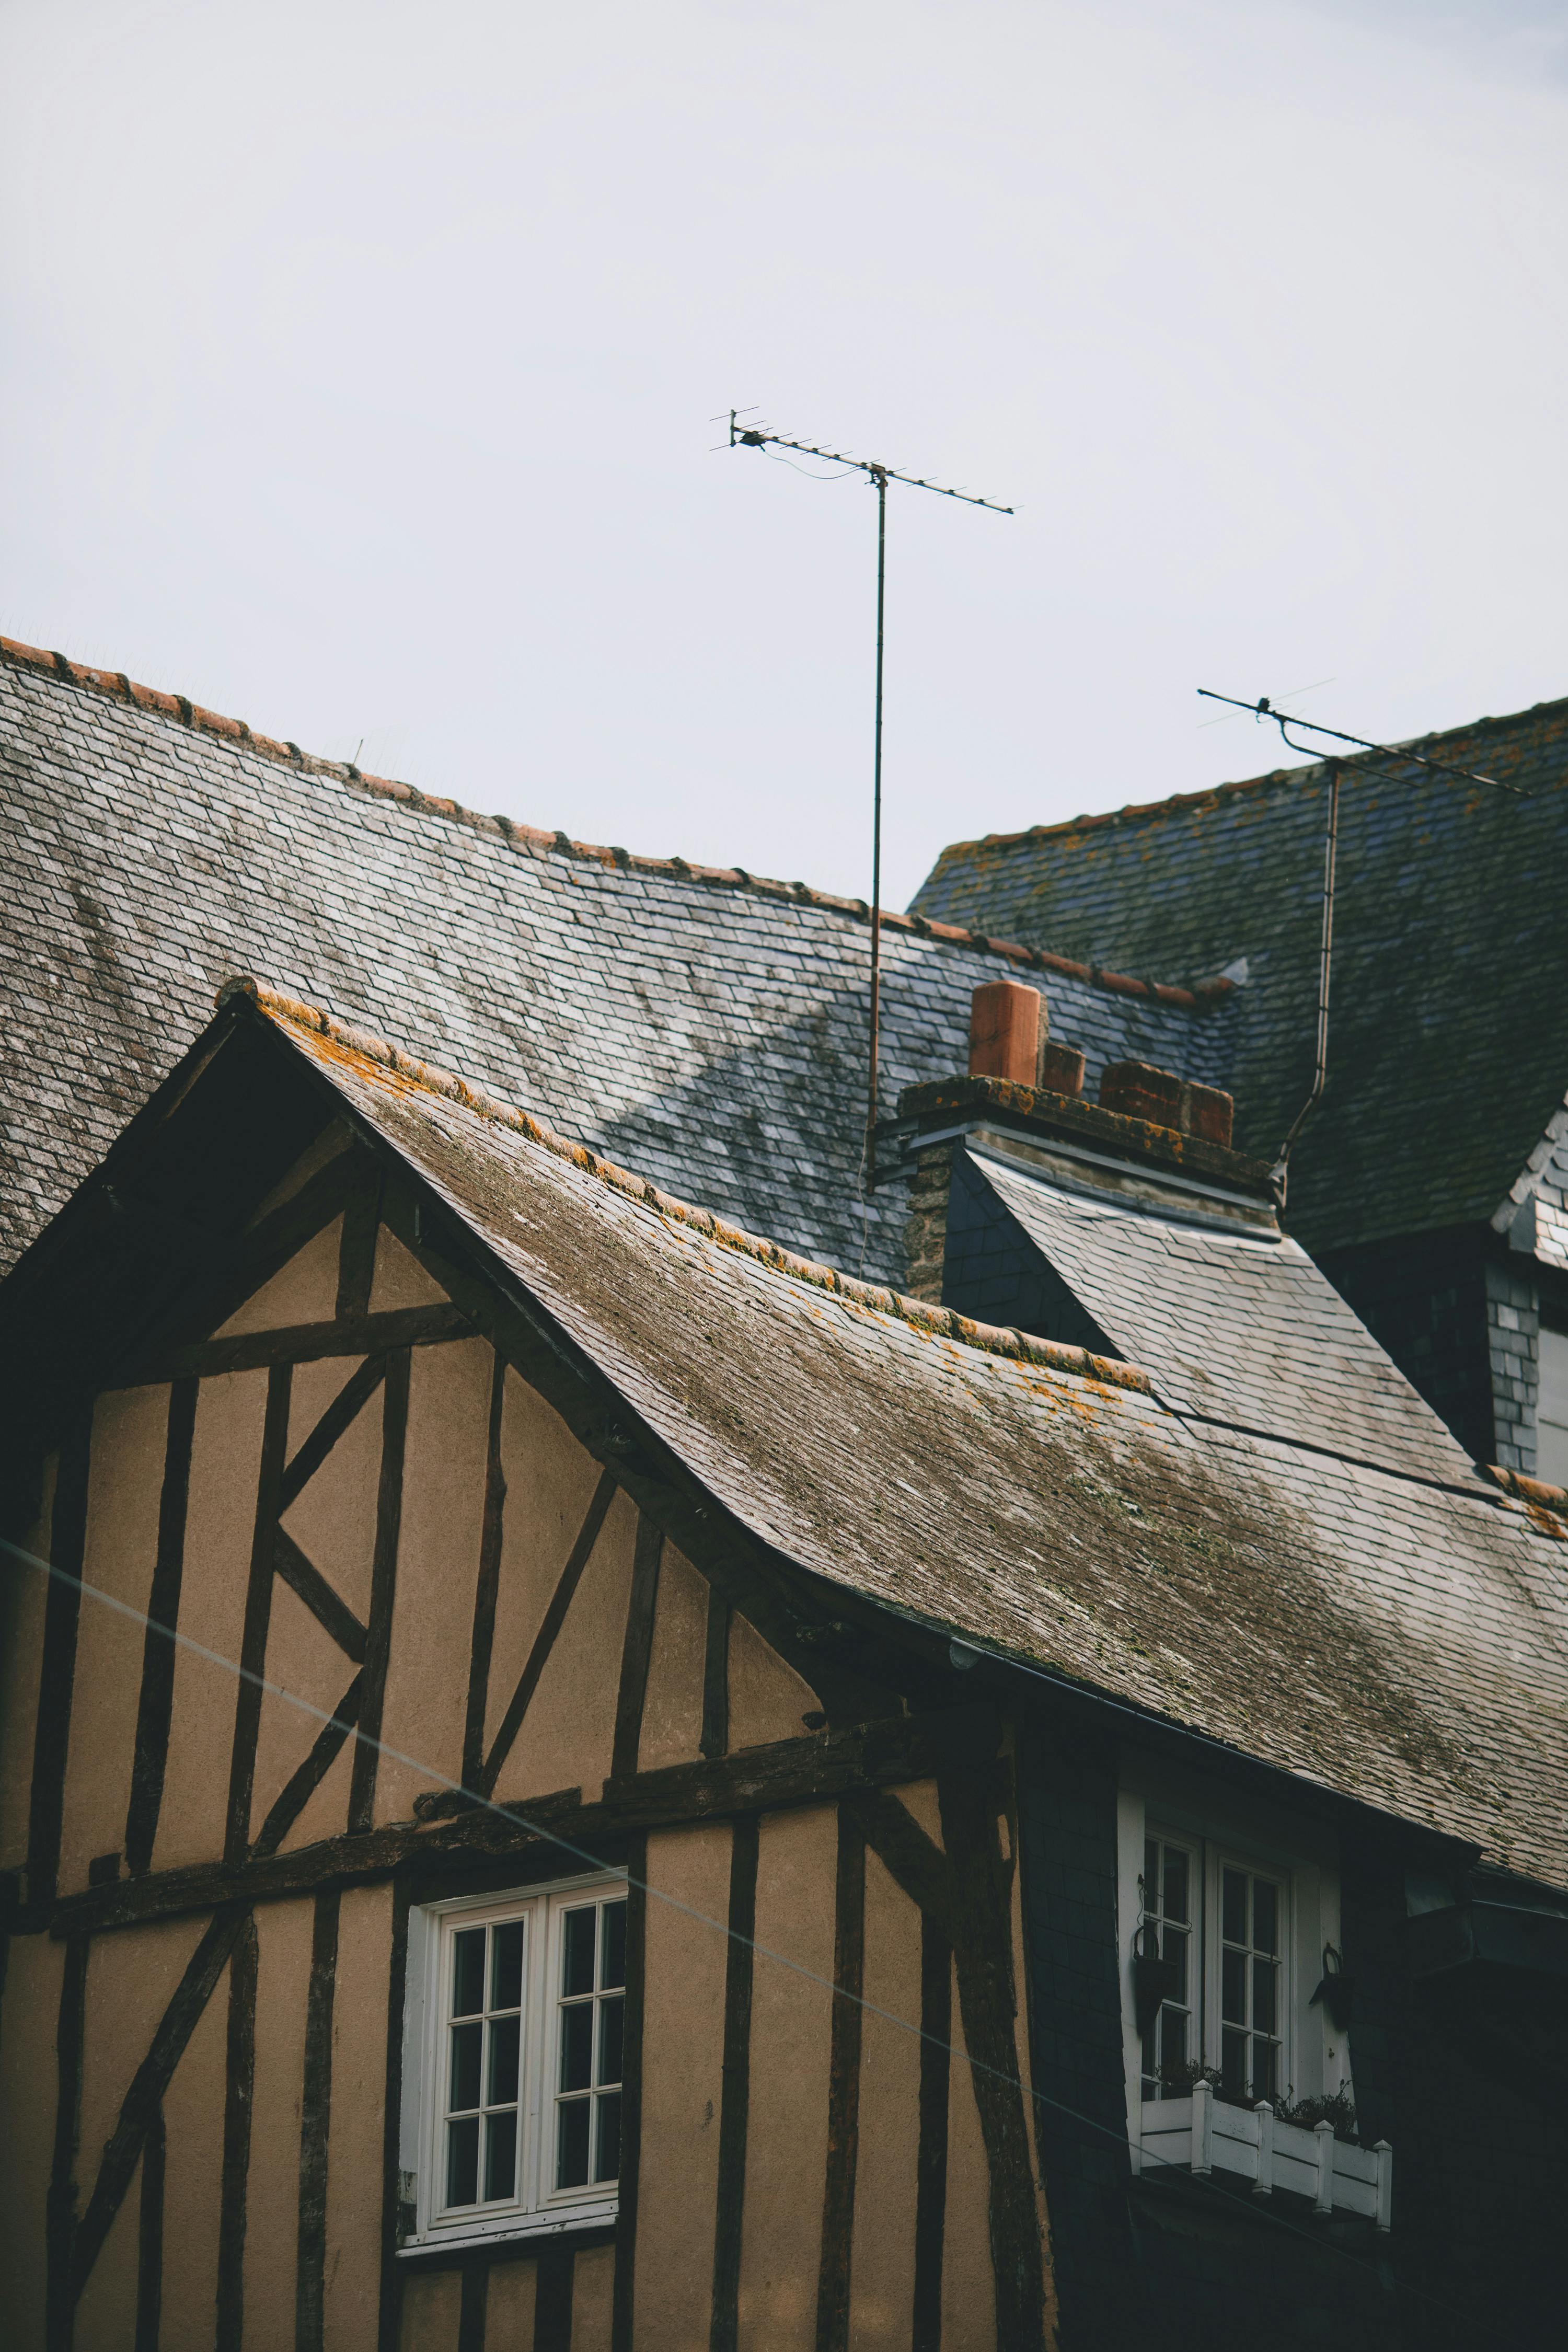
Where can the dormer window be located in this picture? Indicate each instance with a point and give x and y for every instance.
(1221, 1926)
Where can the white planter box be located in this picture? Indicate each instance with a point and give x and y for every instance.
(1203, 2134)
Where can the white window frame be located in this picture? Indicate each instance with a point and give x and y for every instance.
(537, 2210)
(1314, 2058)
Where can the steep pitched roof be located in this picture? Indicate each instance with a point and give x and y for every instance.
(1449, 1042)
(1386, 1638)
(704, 1022)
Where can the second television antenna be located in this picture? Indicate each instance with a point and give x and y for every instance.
(759, 437)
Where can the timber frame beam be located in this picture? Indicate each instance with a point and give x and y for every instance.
(820, 1767)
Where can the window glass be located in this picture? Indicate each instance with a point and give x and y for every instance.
(1552, 1409)
(1249, 2004)
(590, 2033)
(483, 2069)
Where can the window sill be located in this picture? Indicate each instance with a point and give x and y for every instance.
(1205, 2134)
(525, 2229)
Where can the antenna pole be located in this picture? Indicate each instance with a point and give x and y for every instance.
(880, 479)
(758, 435)
(1319, 1075)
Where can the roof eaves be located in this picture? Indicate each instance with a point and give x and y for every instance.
(939, 1322)
(537, 841)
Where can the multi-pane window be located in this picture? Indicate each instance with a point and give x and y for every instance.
(1250, 1971)
(591, 2027)
(1170, 1887)
(517, 2027)
(1221, 1928)
(484, 2062)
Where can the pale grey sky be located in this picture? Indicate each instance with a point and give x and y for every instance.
(359, 359)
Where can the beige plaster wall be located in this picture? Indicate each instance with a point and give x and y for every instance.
(192, 2183)
(683, 2049)
(767, 1698)
(550, 1482)
(437, 1569)
(786, 2145)
(881, 2276)
(509, 2307)
(226, 1463)
(304, 1291)
(672, 1707)
(354, 2151)
(29, 2018)
(272, 2187)
(432, 2300)
(568, 1733)
(399, 1279)
(130, 1430)
(332, 1519)
(593, 2297)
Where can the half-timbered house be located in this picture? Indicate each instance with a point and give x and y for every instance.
(574, 1779)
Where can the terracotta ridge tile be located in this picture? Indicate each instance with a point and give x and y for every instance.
(1175, 802)
(941, 1322)
(539, 842)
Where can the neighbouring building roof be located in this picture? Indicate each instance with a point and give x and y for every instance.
(1395, 1640)
(1449, 1042)
(703, 1023)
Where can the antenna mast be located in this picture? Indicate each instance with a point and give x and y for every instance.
(1264, 709)
(758, 437)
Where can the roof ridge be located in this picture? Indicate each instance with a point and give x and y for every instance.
(538, 842)
(1175, 802)
(941, 1322)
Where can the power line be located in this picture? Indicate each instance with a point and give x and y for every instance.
(509, 1814)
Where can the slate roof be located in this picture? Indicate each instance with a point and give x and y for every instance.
(702, 1023)
(1450, 1043)
(1396, 1642)
(1233, 1327)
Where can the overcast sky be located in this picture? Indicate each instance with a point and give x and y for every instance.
(359, 363)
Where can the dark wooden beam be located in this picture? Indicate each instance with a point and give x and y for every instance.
(383, 1586)
(307, 1778)
(60, 2206)
(328, 1608)
(715, 1736)
(303, 1343)
(151, 2081)
(150, 2238)
(156, 1700)
(345, 1407)
(57, 1674)
(988, 2002)
(240, 2092)
(315, 2126)
(817, 1769)
(357, 1250)
(492, 1531)
(843, 2086)
(258, 1616)
(553, 2284)
(623, 2315)
(473, 2307)
(636, 1649)
(735, 2093)
(930, 2149)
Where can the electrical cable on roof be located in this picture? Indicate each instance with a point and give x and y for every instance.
(672, 1902)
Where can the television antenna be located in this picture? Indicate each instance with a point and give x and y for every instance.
(1335, 762)
(761, 436)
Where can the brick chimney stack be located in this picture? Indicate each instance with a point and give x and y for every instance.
(1009, 1037)
(1139, 1091)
